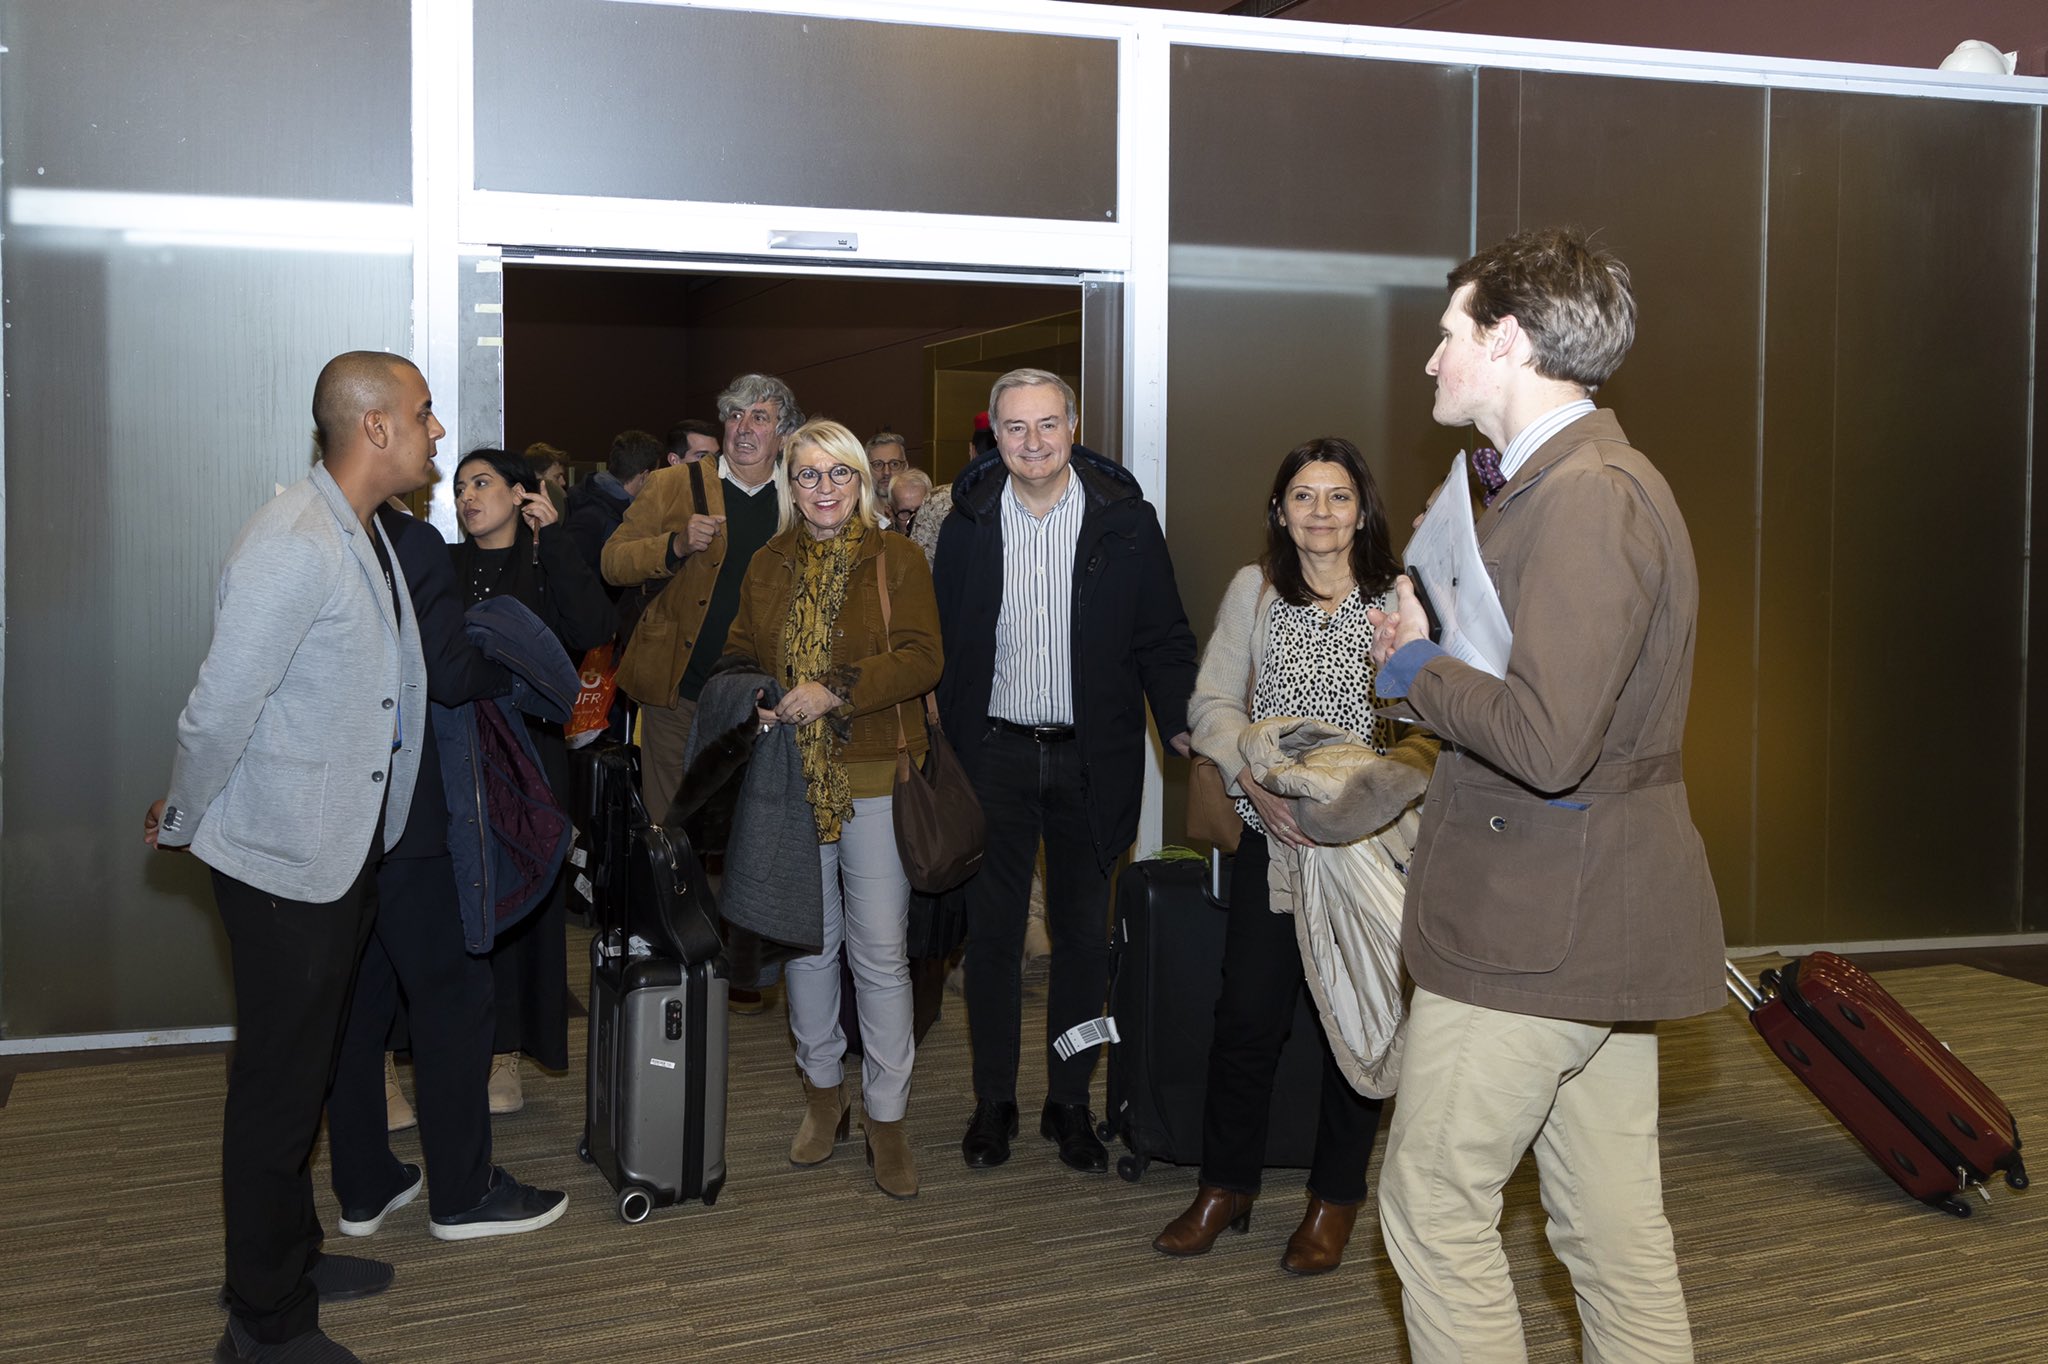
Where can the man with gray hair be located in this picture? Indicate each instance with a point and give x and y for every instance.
(697, 533)
(888, 456)
(1060, 620)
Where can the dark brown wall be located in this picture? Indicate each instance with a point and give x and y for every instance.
(589, 353)
(1879, 32)
(851, 349)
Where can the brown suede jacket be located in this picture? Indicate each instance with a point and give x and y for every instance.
(637, 554)
(872, 677)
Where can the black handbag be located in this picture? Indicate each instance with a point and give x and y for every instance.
(940, 831)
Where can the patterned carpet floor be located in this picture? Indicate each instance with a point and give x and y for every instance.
(1792, 1246)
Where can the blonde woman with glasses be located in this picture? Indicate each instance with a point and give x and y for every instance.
(810, 617)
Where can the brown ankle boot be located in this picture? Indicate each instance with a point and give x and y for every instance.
(826, 1117)
(889, 1154)
(1194, 1231)
(1317, 1246)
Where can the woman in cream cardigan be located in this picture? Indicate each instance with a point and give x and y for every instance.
(1292, 638)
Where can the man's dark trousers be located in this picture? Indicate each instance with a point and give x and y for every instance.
(1029, 789)
(416, 954)
(294, 963)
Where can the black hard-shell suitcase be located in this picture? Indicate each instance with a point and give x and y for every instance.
(654, 1119)
(1165, 976)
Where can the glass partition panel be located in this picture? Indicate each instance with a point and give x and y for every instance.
(1317, 203)
(159, 373)
(1670, 176)
(1896, 480)
(308, 100)
(664, 102)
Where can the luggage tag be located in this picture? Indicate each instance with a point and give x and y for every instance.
(1093, 1033)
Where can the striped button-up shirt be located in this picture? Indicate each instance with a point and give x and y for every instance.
(1538, 431)
(1034, 682)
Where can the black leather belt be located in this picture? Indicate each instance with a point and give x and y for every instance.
(1045, 734)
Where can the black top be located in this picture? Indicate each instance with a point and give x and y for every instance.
(456, 671)
(749, 524)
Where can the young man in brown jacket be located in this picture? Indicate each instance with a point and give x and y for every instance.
(1560, 900)
(697, 526)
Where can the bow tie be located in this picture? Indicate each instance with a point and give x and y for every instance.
(1486, 464)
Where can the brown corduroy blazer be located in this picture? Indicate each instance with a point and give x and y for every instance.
(638, 553)
(1559, 873)
(874, 679)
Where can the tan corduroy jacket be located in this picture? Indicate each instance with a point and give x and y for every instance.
(638, 552)
(872, 677)
(1558, 871)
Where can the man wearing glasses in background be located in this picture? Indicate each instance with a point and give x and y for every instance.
(888, 456)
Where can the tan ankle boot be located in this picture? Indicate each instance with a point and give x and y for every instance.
(889, 1154)
(398, 1114)
(504, 1091)
(826, 1118)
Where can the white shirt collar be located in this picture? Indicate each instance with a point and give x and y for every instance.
(1067, 495)
(725, 472)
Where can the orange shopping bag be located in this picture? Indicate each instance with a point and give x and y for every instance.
(599, 679)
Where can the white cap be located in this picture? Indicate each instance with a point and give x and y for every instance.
(1981, 57)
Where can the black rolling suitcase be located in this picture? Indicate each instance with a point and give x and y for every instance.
(1165, 975)
(654, 1118)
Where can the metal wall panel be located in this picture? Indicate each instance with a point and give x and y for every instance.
(1316, 204)
(659, 102)
(2034, 813)
(308, 100)
(156, 393)
(1670, 176)
(1909, 225)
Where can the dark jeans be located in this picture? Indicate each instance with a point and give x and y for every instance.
(416, 954)
(1030, 790)
(293, 965)
(1262, 978)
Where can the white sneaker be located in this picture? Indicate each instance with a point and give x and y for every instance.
(365, 1221)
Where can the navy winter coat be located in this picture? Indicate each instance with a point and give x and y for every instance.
(1131, 641)
(507, 834)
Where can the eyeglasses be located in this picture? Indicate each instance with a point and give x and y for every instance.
(811, 475)
(889, 466)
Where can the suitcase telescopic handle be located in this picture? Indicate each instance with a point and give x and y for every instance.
(1747, 995)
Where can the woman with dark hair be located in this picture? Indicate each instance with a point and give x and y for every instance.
(514, 548)
(1292, 638)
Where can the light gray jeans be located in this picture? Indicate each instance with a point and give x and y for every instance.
(867, 909)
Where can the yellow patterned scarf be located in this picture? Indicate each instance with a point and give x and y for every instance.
(822, 570)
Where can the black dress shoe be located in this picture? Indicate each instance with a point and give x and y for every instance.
(1073, 1127)
(987, 1143)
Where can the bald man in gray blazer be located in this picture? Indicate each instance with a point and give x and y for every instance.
(294, 770)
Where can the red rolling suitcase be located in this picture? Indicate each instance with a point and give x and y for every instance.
(1923, 1116)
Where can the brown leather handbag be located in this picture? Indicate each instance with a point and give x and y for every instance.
(1212, 813)
(940, 831)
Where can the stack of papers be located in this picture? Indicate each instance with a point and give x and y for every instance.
(1444, 558)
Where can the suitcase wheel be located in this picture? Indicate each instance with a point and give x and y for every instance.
(712, 1190)
(1104, 1132)
(583, 1148)
(635, 1203)
(1131, 1169)
(2016, 1179)
(1953, 1206)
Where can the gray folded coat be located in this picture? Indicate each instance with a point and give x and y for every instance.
(771, 885)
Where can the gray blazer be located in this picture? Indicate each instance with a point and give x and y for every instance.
(285, 755)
